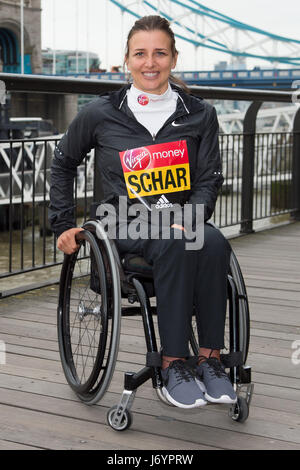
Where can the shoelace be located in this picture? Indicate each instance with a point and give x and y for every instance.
(182, 371)
(216, 368)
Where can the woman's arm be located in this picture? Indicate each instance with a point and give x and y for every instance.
(68, 155)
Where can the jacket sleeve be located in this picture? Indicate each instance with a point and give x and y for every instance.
(208, 178)
(69, 153)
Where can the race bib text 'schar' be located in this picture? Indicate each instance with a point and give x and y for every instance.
(156, 169)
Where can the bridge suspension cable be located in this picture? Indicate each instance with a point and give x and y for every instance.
(218, 31)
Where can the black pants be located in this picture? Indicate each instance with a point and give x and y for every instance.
(185, 279)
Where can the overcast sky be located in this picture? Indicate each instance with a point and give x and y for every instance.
(61, 30)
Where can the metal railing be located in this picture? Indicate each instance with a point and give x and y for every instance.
(25, 235)
(261, 171)
(280, 77)
(272, 180)
(25, 170)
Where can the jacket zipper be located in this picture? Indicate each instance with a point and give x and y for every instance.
(172, 118)
(132, 116)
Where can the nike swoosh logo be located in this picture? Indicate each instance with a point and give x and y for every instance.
(175, 125)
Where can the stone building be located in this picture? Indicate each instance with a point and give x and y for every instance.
(10, 36)
(59, 108)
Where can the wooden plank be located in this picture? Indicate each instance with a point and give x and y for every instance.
(31, 347)
(34, 389)
(272, 282)
(58, 388)
(37, 368)
(34, 369)
(262, 330)
(134, 337)
(273, 295)
(9, 445)
(52, 432)
(274, 327)
(278, 365)
(208, 416)
(182, 431)
(275, 314)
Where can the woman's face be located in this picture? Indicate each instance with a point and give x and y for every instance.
(150, 60)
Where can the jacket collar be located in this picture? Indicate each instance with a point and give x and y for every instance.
(190, 103)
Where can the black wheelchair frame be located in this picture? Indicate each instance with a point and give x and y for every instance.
(93, 282)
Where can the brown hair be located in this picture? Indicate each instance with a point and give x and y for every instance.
(152, 23)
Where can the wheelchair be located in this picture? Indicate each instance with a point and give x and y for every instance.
(93, 282)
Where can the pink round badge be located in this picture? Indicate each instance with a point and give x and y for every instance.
(143, 100)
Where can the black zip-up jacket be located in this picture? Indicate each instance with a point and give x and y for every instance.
(108, 125)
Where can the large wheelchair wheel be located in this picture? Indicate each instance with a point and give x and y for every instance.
(89, 314)
(237, 330)
(243, 320)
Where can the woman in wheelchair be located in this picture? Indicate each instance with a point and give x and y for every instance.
(157, 144)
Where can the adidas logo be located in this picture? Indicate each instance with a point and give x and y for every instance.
(162, 203)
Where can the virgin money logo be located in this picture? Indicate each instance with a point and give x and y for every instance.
(143, 100)
(137, 159)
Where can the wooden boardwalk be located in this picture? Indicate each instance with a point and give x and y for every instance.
(39, 411)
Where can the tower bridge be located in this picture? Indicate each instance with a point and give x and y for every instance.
(61, 109)
(10, 36)
(201, 28)
(205, 28)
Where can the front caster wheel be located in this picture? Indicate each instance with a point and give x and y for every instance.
(240, 410)
(119, 421)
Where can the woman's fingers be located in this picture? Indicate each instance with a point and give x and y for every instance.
(66, 242)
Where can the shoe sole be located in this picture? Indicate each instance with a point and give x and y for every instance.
(222, 399)
(200, 402)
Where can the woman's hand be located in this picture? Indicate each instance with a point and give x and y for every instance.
(66, 241)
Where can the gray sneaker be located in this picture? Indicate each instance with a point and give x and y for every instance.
(218, 386)
(180, 387)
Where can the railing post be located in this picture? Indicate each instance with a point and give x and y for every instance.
(98, 194)
(97, 190)
(296, 168)
(248, 167)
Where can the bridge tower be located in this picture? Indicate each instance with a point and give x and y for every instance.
(10, 36)
(61, 109)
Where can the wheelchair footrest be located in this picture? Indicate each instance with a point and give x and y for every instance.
(244, 375)
(134, 380)
(233, 359)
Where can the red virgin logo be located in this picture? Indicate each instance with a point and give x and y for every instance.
(143, 100)
(137, 159)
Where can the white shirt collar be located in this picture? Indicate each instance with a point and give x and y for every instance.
(167, 95)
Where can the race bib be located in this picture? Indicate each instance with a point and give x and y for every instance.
(156, 169)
